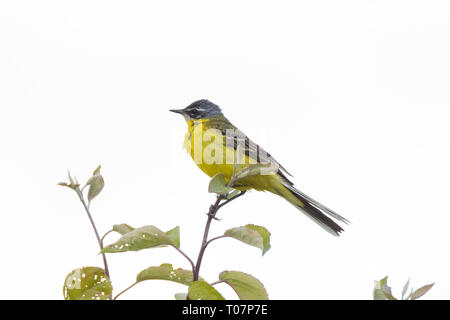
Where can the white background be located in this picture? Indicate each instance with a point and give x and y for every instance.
(352, 97)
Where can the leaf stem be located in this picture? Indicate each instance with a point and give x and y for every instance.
(211, 240)
(217, 282)
(104, 236)
(187, 257)
(122, 292)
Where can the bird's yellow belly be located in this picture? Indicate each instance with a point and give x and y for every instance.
(257, 182)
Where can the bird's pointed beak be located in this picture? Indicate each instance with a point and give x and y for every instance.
(180, 111)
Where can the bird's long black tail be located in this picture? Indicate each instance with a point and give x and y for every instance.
(315, 210)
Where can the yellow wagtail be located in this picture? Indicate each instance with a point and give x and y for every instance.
(214, 144)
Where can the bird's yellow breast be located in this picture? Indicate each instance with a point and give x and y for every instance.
(209, 151)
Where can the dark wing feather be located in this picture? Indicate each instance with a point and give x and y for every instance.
(234, 137)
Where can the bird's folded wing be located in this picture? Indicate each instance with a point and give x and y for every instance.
(234, 138)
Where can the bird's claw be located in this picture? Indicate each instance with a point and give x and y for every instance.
(213, 216)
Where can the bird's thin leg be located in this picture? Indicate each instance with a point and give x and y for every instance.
(229, 200)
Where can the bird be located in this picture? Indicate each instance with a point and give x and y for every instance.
(216, 146)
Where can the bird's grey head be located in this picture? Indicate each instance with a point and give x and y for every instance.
(200, 109)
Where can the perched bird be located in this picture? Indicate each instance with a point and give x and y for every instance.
(214, 143)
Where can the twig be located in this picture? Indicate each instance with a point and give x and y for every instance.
(229, 200)
(100, 243)
(211, 215)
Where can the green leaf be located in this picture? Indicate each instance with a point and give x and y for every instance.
(405, 288)
(166, 272)
(251, 234)
(246, 286)
(201, 290)
(181, 296)
(218, 185)
(409, 295)
(88, 283)
(378, 294)
(72, 180)
(72, 185)
(381, 289)
(122, 228)
(96, 184)
(97, 171)
(381, 283)
(174, 235)
(389, 296)
(140, 238)
(421, 291)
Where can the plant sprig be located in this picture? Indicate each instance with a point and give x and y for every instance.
(96, 184)
(146, 237)
(383, 292)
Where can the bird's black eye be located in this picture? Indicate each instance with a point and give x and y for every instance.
(194, 113)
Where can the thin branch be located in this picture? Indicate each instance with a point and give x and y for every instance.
(234, 198)
(122, 292)
(186, 256)
(100, 243)
(211, 214)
